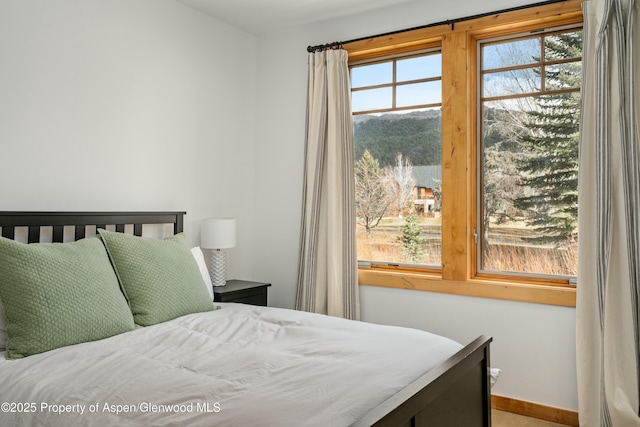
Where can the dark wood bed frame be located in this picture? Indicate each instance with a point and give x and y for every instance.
(455, 393)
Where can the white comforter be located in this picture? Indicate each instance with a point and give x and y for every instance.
(241, 365)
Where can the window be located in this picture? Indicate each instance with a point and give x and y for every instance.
(397, 119)
(509, 87)
(529, 103)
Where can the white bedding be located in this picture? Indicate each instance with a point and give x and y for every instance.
(241, 365)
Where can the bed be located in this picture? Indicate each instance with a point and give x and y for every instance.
(219, 364)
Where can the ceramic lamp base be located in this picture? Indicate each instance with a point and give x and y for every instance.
(218, 268)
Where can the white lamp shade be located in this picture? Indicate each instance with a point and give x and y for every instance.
(218, 233)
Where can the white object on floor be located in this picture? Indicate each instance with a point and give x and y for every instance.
(493, 374)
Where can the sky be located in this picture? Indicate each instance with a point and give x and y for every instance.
(415, 68)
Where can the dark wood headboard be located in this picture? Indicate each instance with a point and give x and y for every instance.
(80, 220)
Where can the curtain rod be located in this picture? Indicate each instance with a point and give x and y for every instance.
(451, 22)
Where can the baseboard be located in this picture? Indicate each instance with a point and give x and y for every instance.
(535, 410)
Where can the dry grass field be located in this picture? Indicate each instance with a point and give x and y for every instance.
(508, 249)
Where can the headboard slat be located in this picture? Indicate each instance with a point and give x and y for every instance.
(58, 233)
(8, 232)
(81, 232)
(137, 229)
(178, 225)
(120, 228)
(34, 234)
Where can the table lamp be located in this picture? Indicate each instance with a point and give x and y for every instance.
(217, 234)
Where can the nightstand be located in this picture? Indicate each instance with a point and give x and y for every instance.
(242, 291)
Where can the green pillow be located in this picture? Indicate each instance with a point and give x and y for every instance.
(160, 278)
(58, 294)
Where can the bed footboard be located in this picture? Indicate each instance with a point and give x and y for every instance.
(454, 393)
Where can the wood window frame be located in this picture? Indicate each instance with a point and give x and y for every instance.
(459, 155)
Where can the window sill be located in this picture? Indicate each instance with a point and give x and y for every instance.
(520, 291)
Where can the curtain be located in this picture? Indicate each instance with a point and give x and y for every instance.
(608, 324)
(327, 268)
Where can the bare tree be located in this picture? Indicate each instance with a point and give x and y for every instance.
(372, 198)
(400, 183)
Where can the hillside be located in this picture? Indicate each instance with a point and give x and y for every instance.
(416, 134)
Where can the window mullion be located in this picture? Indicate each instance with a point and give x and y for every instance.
(454, 157)
(395, 84)
(543, 62)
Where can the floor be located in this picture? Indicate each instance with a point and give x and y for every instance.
(507, 419)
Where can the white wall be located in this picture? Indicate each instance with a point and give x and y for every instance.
(534, 344)
(127, 105)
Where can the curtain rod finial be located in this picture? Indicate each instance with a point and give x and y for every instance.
(320, 48)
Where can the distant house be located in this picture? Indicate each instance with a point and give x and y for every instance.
(427, 178)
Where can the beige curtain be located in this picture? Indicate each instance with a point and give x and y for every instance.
(327, 269)
(609, 218)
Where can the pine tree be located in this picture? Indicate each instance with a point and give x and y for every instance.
(372, 199)
(550, 168)
(411, 239)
